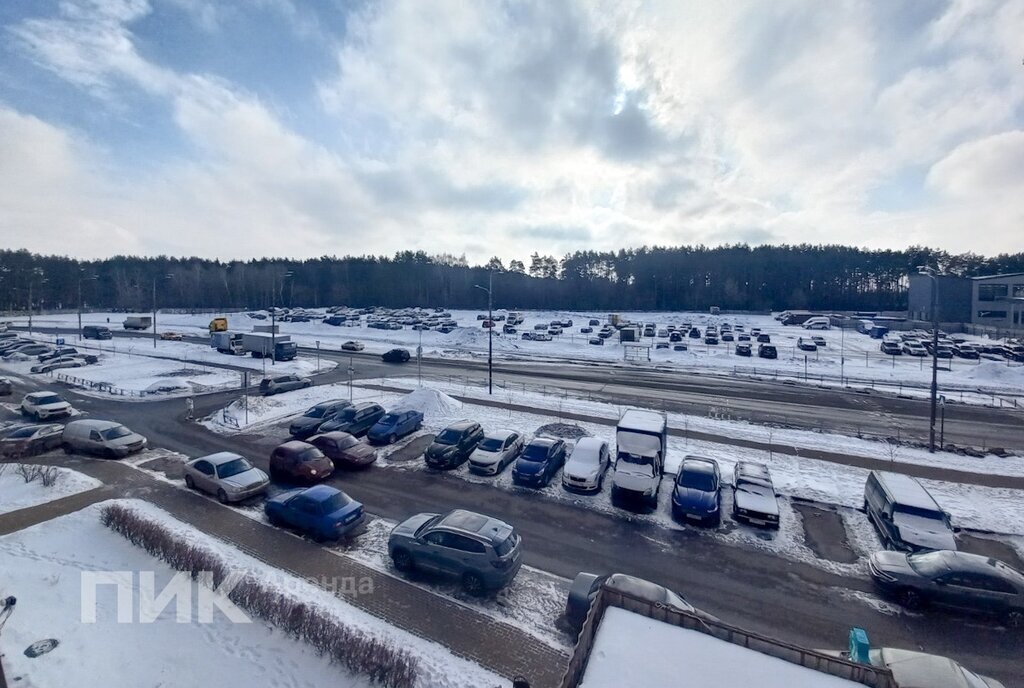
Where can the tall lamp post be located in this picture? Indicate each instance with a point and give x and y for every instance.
(273, 318)
(490, 330)
(166, 277)
(80, 301)
(925, 270)
(31, 283)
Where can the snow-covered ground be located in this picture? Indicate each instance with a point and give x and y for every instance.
(172, 368)
(43, 567)
(850, 355)
(16, 493)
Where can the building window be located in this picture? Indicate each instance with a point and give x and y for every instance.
(1018, 290)
(991, 292)
(1000, 315)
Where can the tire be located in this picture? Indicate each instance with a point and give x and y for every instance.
(222, 496)
(189, 482)
(308, 384)
(403, 561)
(472, 583)
(1014, 619)
(317, 536)
(911, 599)
(68, 449)
(274, 519)
(392, 438)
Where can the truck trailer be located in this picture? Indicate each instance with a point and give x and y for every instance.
(227, 342)
(641, 438)
(138, 322)
(266, 345)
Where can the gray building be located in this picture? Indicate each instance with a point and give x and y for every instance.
(954, 298)
(998, 300)
(995, 301)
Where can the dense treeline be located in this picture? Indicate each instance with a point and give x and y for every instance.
(736, 277)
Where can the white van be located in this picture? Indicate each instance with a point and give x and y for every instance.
(101, 437)
(818, 323)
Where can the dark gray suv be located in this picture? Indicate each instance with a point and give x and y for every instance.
(957, 580)
(482, 552)
(453, 445)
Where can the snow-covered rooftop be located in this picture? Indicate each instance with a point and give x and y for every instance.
(635, 650)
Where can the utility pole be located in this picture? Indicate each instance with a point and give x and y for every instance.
(154, 312)
(490, 330)
(925, 270)
(419, 359)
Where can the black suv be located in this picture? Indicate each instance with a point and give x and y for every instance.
(355, 420)
(96, 332)
(453, 445)
(395, 356)
(767, 351)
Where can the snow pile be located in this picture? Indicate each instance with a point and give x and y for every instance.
(173, 384)
(16, 494)
(430, 402)
(993, 373)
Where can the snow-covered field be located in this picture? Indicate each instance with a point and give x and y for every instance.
(16, 493)
(172, 368)
(43, 567)
(850, 355)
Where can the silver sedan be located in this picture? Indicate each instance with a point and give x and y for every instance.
(229, 476)
(496, 451)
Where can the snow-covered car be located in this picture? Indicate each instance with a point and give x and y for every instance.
(753, 495)
(32, 439)
(57, 364)
(352, 346)
(59, 352)
(585, 587)
(495, 452)
(911, 668)
(42, 405)
(819, 340)
(170, 336)
(586, 466)
(914, 348)
(806, 344)
(6, 387)
(227, 475)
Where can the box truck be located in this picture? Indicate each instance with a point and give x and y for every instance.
(262, 344)
(138, 322)
(227, 343)
(640, 441)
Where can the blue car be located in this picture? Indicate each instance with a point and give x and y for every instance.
(539, 462)
(697, 493)
(322, 512)
(393, 425)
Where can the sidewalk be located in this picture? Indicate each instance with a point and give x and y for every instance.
(502, 648)
(913, 469)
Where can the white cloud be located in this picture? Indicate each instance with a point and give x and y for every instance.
(487, 128)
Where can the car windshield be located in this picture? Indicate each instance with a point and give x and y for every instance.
(448, 436)
(310, 454)
(506, 545)
(491, 444)
(535, 452)
(705, 482)
(239, 465)
(48, 399)
(929, 564)
(389, 419)
(919, 512)
(347, 442)
(335, 502)
(22, 433)
(115, 432)
(316, 412)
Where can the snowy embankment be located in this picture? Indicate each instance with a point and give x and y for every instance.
(848, 354)
(43, 568)
(16, 492)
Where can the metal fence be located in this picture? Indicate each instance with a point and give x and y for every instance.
(812, 659)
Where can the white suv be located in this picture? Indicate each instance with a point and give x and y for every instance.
(42, 405)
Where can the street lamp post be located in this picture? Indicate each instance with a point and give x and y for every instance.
(490, 330)
(166, 277)
(31, 283)
(925, 270)
(273, 317)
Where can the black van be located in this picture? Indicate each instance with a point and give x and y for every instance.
(907, 517)
(96, 332)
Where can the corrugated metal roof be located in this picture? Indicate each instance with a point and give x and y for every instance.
(1008, 274)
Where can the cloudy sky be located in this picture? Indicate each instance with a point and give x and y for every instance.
(244, 128)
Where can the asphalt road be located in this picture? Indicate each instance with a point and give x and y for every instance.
(742, 585)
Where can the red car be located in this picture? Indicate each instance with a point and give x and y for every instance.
(344, 449)
(296, 461)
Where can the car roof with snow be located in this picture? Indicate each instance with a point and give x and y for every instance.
(589, 444)
(697, 464)
(477, 524)
(906, 490)
(752, 472)
(499, 434)
(643, 421)
(219, 458)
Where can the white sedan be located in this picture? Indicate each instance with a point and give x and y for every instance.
(496, 451)
(585, 469)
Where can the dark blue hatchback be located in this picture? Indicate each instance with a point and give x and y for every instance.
(697, 493)
(539, 462)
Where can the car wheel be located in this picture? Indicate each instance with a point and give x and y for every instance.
(392, 438)
(317, 536)
(274, 519)
(36, 417)
(308, 384)
(472, 583)
(911, 599)
(222, 496)
(403, 561)
(68, 449)
(1014, 618)
(189, 482)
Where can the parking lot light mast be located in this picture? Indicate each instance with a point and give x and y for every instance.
(273, 320)
(490, 330)
(166, 277)
(31, 282)
(925, 270)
